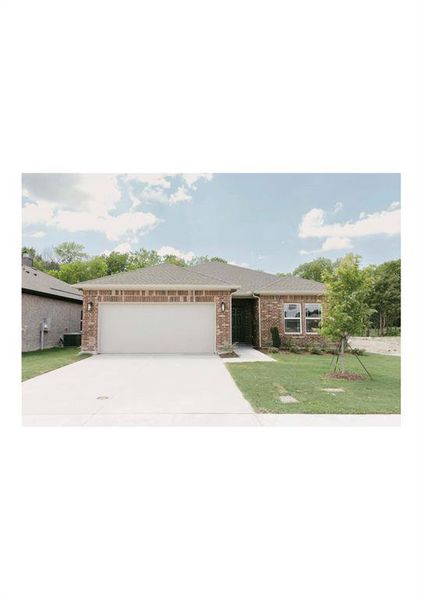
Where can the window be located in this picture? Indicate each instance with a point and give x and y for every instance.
(292, 318)
(313, 317)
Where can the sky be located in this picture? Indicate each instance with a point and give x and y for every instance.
(267, 221)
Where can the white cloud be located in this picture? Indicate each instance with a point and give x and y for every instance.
(82, 203)
(122, 248)
(37, 212)
(152, 179)
(338, 206)
(113, 226)
(181, 195)
(170, 250)
(386, 222)
(336, 243)
(192, 178)
(38, 234)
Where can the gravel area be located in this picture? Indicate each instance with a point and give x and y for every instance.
(390, 346)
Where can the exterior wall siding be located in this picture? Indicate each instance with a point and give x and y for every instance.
(62, 317)
(90, 318)
(272, 315)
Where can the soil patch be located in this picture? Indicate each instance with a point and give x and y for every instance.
(346, 375)
(229, 355)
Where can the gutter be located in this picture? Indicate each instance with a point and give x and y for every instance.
(137, 286)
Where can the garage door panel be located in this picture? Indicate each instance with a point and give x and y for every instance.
(157, 328)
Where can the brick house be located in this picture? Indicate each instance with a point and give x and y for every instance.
(200, 309)
(50, 303)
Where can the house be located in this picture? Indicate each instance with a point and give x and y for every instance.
(199, 309)
(50, 308)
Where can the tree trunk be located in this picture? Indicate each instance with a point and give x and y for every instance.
(342, 356)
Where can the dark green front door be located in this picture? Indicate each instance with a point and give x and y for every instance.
(238, 324)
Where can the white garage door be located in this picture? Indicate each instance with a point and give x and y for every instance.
(157, 328)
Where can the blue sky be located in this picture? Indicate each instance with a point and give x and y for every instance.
(272, 222)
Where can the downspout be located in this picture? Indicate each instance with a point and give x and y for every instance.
(259, 320)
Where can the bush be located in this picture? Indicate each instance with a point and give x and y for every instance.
(287, 343)
(276, 338)
(295, 349)
(273, 350)
(316, 350)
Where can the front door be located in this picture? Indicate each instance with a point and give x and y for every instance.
(238, 324)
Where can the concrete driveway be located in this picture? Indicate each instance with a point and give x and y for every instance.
(137, 390)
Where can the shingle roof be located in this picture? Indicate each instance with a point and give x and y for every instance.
(252, 281)
(293, 285)
(163, 275)
(249, 280)
(36, 281)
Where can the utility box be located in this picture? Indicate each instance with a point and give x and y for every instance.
(72, 339)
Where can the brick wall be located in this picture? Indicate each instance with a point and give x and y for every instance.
(272, 315)
(90, 318)
(62, 317)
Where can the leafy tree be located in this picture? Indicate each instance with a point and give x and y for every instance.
(174, 260)
(143, 258)
(347, 307)
(117, 262)
(81, 270)
(198, 260)
(283, 274)
(314, 269)
(37, 259)
(69, 252)
(385, 295)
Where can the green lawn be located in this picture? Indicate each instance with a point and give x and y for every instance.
(42, 361)
(304, 375)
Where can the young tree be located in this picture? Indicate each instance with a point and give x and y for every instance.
(315, 269)
(347, 308)
(69, 252)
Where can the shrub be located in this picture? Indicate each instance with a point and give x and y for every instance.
(273, 350)
(316, 350)
(287, 343)
(276, 338)
(295, 349)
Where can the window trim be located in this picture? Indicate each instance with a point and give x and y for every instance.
(300, 319)
(312, 318)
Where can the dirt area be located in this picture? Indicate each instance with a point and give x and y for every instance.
(390, 346)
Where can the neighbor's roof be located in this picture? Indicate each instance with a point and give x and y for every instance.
(37, 282)
(258, 282)
(163, 276)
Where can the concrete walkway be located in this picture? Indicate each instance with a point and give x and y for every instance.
(248, 354)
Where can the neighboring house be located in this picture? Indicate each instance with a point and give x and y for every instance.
(49, 304)
(170, 309)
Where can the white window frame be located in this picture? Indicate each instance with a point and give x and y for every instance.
(312, 318)
(300, 319)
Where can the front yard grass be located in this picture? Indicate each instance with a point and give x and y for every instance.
(41, 361)
(304, 376)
